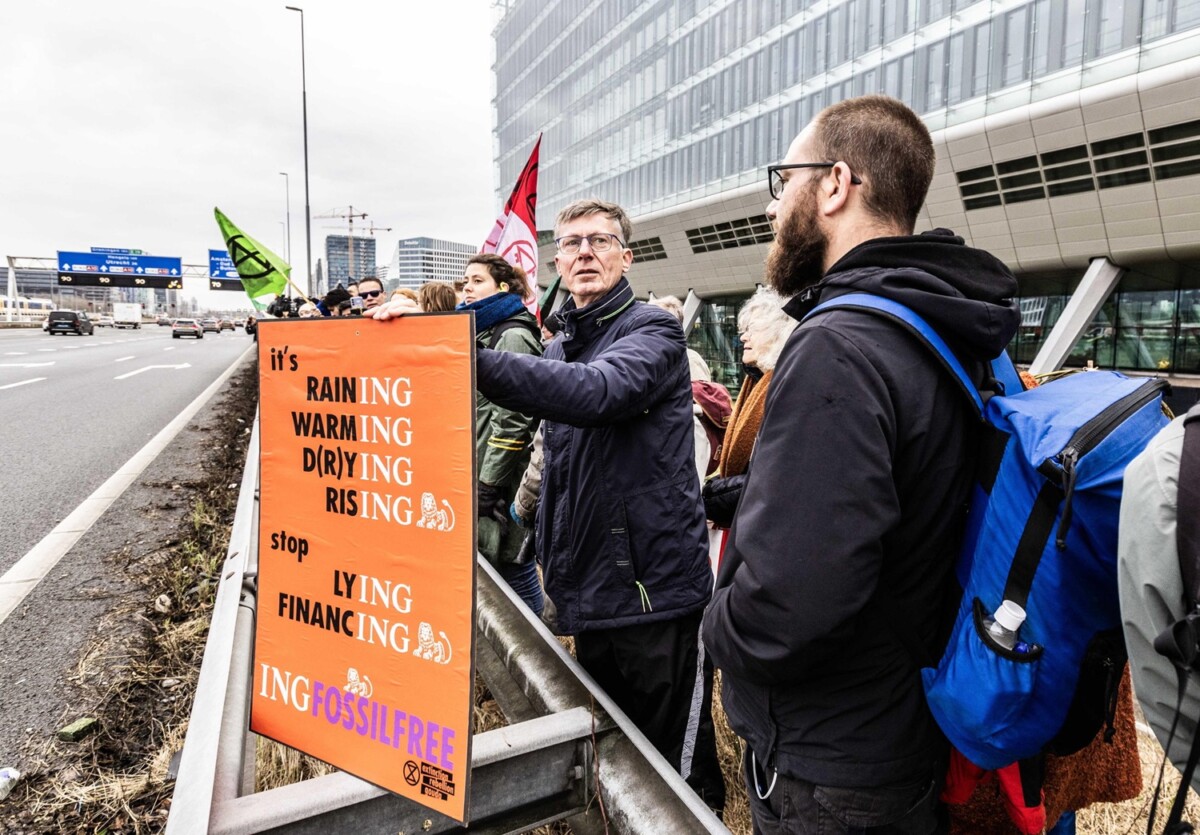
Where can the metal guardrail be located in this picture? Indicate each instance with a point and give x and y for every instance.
(569, 752)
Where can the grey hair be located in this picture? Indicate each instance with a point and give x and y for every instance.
(763, 314)
(671, 304)
(594, 206)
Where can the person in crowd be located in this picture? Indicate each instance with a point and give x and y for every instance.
(370, 290)
(763, 328)
(352, 287)
(404, 292)
(1155, 591)
(458, 290)
(328, 305)
(251, 325)
(308, 310)
(697, 365)
(493, 290)
(839, 567)
(436, 296)
(620, 526)
(698, 372)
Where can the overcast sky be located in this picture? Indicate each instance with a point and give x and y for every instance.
(125, 122)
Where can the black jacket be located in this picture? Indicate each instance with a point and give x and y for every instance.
(838, 570)
(621, 531)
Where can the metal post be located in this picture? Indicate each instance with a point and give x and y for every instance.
(12, 288)
(1097, 285)
(287, 190)
(692, 306)
(307, 207)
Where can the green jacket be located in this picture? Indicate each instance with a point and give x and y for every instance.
(503, 443)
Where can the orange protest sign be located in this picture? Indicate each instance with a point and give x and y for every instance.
(363, 648)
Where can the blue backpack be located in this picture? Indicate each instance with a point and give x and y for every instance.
(1041, 532)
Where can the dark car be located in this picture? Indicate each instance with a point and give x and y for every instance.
(70, 321)
(210, 325)
(164, 321)
(186, 327)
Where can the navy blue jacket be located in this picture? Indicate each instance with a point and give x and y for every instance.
(620, 524)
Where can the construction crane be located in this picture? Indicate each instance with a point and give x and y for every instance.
(349, 215)
(371, 229)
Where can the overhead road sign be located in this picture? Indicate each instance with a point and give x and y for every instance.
(222, 274)
(114, 251)
(119, 269)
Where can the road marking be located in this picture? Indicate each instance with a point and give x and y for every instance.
(31, 569)
(47, 350)
(70, 347)
(23, 383)
(15, 353)
(148, 367)
(172, 348)
(25, 364)
(122, 359)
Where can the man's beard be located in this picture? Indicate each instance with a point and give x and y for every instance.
(796, 260)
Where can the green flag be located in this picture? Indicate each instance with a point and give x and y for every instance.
(263, 273)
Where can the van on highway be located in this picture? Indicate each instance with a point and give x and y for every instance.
(70, 321)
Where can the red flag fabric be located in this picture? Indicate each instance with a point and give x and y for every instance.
(514, 237)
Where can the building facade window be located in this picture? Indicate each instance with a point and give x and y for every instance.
(1138, 328)
(715, 337)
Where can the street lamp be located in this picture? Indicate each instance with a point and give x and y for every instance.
(287, 190)
(307, 209)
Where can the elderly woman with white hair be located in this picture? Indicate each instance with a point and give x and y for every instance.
(763, 328)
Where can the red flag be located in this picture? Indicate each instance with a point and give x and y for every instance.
(514, 237)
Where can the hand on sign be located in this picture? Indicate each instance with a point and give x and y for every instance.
(393, 310)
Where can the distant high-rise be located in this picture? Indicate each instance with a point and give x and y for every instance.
(417, 260)
(341, 270)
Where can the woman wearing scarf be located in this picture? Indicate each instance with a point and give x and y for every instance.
(763, 328)
(493, 290)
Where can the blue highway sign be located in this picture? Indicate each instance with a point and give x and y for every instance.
(220, 265)
(112, 268)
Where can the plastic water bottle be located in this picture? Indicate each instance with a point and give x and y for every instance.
(1004, 624)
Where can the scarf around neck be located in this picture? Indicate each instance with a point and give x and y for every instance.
(492, 310)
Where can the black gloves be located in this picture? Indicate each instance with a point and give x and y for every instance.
(493, 506)
(721, 497)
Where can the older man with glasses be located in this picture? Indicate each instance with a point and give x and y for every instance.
(620, 526)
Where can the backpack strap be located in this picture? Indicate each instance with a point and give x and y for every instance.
(1180, 642)
(912, 322)
(900, 313)
(508, 324)
(1187, 522)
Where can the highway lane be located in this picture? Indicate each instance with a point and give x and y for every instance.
(74, 409)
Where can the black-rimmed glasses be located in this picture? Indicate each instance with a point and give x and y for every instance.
(775, 181)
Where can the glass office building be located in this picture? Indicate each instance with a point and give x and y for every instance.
(1066, 130)
(421, 259)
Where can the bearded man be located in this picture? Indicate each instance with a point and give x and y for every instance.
(837, 577)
